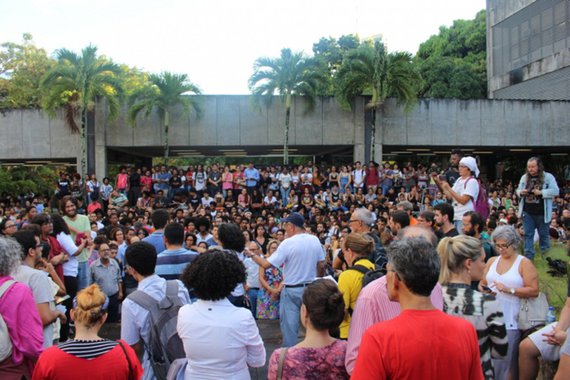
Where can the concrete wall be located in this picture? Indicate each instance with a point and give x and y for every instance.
(31, 134)
(230, 121)
(499, 123)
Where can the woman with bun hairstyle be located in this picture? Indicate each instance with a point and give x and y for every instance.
(355, 249)
(462, 262)
(89, 356)
(319, 355)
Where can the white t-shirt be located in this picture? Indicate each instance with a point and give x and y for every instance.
(300, 254)
(70, 267)
(39, 282)
(470, 187)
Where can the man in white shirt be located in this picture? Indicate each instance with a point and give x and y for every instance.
(358, 176)
(303, 257)
(135, 326)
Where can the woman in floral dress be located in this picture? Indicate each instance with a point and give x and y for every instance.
(270, 279)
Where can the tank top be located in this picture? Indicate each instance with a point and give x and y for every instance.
(512, 279)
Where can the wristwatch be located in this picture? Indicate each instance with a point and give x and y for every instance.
(512, 291)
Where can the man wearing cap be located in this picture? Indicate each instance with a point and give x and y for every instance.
(465, 190)
(303, 258)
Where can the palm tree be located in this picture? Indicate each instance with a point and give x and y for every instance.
(163, 92)
(75, 83)
(292, 74)
(371, 70)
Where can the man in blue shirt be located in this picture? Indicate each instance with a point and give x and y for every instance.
(251, 178)
(160, 219)
(171, 262)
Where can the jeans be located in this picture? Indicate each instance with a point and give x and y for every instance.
(290, 314)
(285, 196)
(252, 295)
(82, 275)
(535, 222)
(71, 288)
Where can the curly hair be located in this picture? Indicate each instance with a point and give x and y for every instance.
(213, 275)
(10, 255)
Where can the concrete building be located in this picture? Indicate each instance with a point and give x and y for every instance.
(528, 49)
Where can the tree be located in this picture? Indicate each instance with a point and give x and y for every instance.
(164, 92)
(330, 52)
(291, 74)
(453, 63)
(371, 70)
(75, 83)
(22, 67)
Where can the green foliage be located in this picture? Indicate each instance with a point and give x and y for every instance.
(371, 70)
(453, 63)
(555, 288)
(330, 52)
(292, 73)
(21, 68)
(75, 83)
(288, 75)
(162, 93)
(23, 179)
(78, 81)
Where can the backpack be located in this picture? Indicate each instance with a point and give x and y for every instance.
(379, 255)
(481, 204)
(369, 274)
(5, 342)
(164, 345)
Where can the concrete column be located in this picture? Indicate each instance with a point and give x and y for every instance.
(378, 147)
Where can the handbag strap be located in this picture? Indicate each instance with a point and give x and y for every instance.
(128, 360)
(281, 361)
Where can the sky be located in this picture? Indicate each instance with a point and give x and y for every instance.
(216, 42)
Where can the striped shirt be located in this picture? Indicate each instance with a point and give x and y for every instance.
(373, 306)
(87, 349)
(486, 315)
(171, 263)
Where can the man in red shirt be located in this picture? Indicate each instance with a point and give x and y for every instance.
(422, 342)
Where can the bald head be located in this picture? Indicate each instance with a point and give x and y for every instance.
(416, 231)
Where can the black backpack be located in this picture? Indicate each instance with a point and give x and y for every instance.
(164, 345)
(369, 274)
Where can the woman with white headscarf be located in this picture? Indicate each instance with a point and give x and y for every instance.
(464, 192)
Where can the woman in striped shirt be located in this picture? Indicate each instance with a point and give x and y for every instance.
(88, 355)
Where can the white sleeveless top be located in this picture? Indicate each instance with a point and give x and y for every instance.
(511, 279)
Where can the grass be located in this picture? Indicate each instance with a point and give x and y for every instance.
(555, 288)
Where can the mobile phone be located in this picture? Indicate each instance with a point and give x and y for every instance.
(486, 288)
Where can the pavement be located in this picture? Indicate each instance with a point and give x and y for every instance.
(269, 330)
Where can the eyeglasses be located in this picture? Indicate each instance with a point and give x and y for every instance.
(353, 220)
(10, 226)
(502, 246)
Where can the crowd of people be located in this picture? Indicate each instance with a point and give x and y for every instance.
(422, 265)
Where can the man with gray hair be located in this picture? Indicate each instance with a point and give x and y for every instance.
(422, 342)
(374, 305)
(360, 222)
(408, 208)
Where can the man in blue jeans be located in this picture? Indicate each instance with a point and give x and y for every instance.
(536, 190)
(303, 257)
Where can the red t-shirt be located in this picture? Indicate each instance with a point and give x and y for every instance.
(58, 365)
(419, 344)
